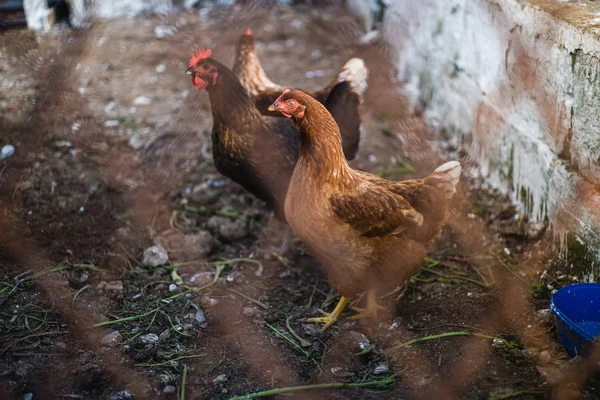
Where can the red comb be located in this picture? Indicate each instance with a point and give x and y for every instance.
(248, 31)
(200, 55)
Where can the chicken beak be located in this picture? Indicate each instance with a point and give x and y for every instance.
(273, 107)
(189, 71)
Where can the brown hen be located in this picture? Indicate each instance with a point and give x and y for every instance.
(342, 97)
(367, 232)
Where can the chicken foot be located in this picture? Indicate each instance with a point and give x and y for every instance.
(370, 311)
(331, 318)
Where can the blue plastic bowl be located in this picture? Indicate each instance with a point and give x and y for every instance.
(576, 309)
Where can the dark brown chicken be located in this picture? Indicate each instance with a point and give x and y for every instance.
(367, 232)
(257, 152)
(342, 97)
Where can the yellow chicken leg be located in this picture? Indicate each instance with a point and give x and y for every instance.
(371, 310)
(330, 318)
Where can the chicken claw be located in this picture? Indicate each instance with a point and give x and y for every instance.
(331, 318)
(370, 311)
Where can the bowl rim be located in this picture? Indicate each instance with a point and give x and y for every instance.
(563, 317)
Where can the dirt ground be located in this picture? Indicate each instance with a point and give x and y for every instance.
(113, 156)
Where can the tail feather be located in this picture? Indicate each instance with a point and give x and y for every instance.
(445, 178)
(354, 72)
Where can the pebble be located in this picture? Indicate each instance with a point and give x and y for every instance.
(149, 338)
(201, 318)
(360, 339)
(111, 123)
(202, 242)
(111, 339)
(165, 335)
(202, 278)
(314, 74)
(28, 396)
(60, 346)
(228, 230)
(172, 287)
(220, 378)
(545, 315)
(142, 101)
(162, 31)
(122, 395)
(7, 151)
(249, 311)
(169, 389)
(114, 285)
(78, 280)
(155, 256)
(208, 302)
(160, 68)
(381, 369)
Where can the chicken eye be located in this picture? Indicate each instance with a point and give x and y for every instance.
(205, 66)
(291, 103)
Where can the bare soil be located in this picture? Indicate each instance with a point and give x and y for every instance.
(113, 156)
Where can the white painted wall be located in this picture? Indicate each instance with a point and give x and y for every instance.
(464, 60)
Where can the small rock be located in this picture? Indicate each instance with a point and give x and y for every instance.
(545, 315)
(23, 369)
(63, 143)
(122, 395)
(111, 339)
(208, 302)
(341, 372)
(228, 230)
(155, 256)
(381, 369)
(160, 68)
(28, 396)
(142, 101)
(249, 311)
(162, 31)
(311, 329)
(165, 335)
(7, 151)
(172, 287)
(169, 389)
(79, 279)
(191, 246)
(149, 338)
(202, 278)
(114, 285)
(221, 378)
(360, 339)
(111, 123)
(202, 242)
(201, 318)
(544, 357)
(60, 346)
